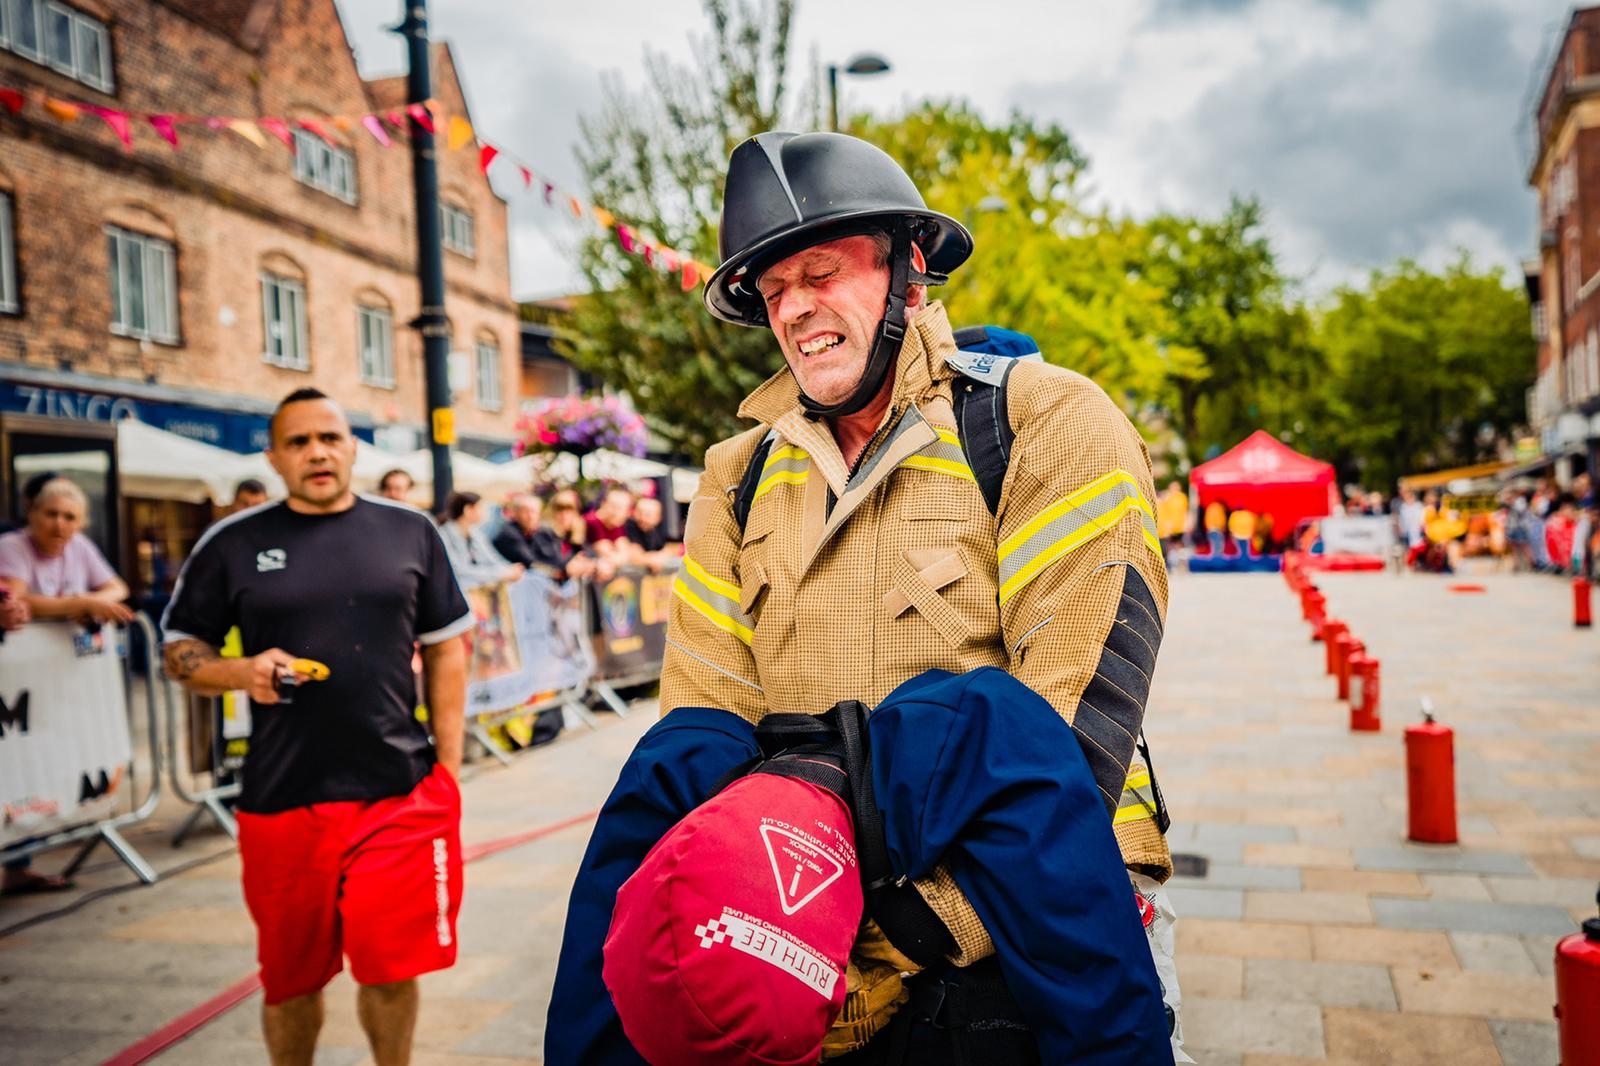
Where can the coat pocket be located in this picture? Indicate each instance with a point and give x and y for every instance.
(917, 579)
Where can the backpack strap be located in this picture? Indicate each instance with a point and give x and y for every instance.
(982, 419)
(745, 495)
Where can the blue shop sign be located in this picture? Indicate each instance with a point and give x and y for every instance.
(236, 431)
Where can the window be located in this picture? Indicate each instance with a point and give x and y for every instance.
(144, 286)
(455, 224)
(283, 315)
(61, 37)
(487, 388)
(375, 334)
(323, 166)
(8, 259)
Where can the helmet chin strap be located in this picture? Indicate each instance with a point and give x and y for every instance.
(885, 344)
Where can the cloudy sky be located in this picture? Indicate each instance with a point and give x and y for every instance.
(1370, 129)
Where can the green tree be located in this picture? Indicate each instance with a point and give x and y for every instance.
(656, 161)
(1428, 370)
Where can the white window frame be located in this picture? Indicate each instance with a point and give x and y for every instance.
(157, 261)
(88, 57)
(10, 298)
(486, 376)
(325, 167)
(284, 340)
(457, 229)
(375, 345)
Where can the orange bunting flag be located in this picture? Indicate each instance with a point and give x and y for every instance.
(577, 208)
(375, 128)
(486, 156)
(690, 277)
(341, 123)
(248, 131)
(420, 116)
(604, 217)
(61, 109)
(460, 132)
(279, 129)
(167, 127)
(117, 120)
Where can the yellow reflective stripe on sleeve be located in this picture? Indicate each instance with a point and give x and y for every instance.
(787, 465)
(1138, 799)
(1069, 524)
(714, 599)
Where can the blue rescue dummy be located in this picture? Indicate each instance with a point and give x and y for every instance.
(975, 771)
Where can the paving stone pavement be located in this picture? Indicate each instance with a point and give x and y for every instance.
(1318, 935)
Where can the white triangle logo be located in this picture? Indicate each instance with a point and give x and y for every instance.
(801, 869)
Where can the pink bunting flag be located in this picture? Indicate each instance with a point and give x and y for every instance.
(167, 127)
(420, 116)
(649, 254)
(12, 100)
(625, 238)
(527, 176)
(216, 123)
(375, 128)
(312, 127)
(279, 129)
(486, 156)
(669, 259)
(397, 119)
(117, 120)
(549, 191)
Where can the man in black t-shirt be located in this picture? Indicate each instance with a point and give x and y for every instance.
(645, 533)
(523, 540)
(349, 819)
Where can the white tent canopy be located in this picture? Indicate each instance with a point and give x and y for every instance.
(165, 466)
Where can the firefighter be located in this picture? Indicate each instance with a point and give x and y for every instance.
(862, 551)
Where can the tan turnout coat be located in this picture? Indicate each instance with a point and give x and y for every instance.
(908, 571)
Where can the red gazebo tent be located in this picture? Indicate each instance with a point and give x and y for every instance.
(1263, 475)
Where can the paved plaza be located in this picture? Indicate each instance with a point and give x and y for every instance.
(1317, 935)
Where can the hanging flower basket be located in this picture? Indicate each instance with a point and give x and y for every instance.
(578, 425)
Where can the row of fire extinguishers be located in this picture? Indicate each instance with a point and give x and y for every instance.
(1431, 798)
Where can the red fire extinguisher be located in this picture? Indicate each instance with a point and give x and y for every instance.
(1581, 618)
(1364, 693)
(1578, 994)
(1347, 664)
(1332, 630)
(1430, 780)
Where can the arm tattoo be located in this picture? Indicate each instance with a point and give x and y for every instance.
(183, 657)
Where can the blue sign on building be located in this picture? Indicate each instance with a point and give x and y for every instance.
(237, 431)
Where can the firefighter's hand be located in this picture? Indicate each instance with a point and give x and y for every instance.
(874, 993)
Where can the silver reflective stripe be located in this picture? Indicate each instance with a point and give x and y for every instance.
(1069, 524)
(714, 599)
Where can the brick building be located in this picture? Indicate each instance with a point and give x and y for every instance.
(194, 288)
(1564, 405)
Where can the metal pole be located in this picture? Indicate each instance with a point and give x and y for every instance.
(833, 97)
(432, 323)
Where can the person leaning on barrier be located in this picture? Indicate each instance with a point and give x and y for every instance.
(475, 560)
(524, 539)
(647, 540)
(867, 554)
(57, 570)
(349, 818)
(564, 518)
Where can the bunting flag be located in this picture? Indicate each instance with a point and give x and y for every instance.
(429, 115)
(166, 126)
(118, 123)
(375, 127)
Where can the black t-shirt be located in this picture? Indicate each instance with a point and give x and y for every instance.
(540, 548)
(353, 590)
(652, 540)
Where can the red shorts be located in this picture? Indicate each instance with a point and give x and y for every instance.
(379, 881)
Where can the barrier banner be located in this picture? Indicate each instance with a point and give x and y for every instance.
(632, 609)
(64, 741)
(1357, 534)
(528, 640)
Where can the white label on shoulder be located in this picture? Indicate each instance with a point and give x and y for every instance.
(981, 366)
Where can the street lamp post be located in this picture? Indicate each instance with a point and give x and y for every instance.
(864, 64)
(432, 322)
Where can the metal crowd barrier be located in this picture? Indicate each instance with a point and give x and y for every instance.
(109, 830)
(570, 701)
(207, 801)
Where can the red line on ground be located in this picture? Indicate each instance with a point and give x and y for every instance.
(186, 1024)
